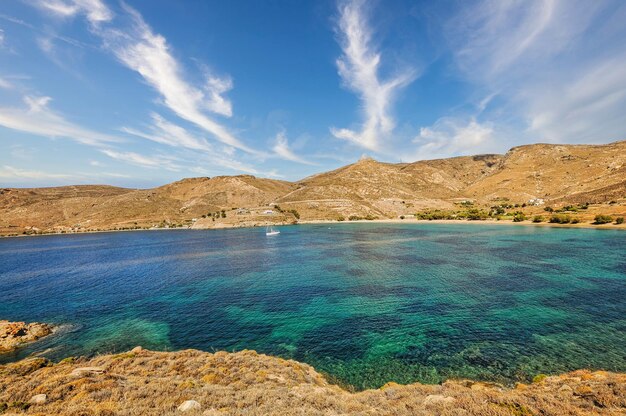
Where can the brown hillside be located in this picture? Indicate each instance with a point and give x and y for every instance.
(559, 174)
(100, 207)
(556, 172)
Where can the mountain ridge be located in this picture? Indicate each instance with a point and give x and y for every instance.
(555, 173)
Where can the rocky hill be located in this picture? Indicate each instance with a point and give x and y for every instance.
(557, 174)
(142, 382)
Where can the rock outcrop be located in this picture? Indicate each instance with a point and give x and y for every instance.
(146, 382)
(15, 334)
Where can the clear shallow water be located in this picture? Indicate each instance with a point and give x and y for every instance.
(364, 303)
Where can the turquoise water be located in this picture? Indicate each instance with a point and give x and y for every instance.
(363, 303)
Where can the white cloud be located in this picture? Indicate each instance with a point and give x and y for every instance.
(359, 69)
(589, 108)
(95, 10)
(281, 148)
(12, 173)
(38, 118)
(557, 65)
(215, 87)
(450, 136)
(115, 175)
(148, 53)
(142, 160)
(28, 176)
(165, 132)
(5, 84)
(1, 38)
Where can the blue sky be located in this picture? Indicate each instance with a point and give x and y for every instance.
(143, 92)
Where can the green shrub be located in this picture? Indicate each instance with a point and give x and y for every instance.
(519, 216)
(433, 215)
(575, 220)
(354, 218)
(496, 210)
(295, 213)
(619, 220)
(548, 209)
(603, 219)
(537, 218)
(560, 219)
(341, 218)
(401, 217)
(475, 215)
(539, 378)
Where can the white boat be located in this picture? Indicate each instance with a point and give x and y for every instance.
(271, 231)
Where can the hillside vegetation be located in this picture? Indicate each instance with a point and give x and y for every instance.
(560, 175)
(142, 382)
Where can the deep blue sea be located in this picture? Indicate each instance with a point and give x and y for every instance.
(362, 303)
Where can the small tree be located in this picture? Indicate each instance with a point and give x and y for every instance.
(603, 219)
(619, 220)
(560, 219)
(537, 218)
(519, 216)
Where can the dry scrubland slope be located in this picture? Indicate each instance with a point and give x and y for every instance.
(246, 383)
(560, 174)
(105, 207)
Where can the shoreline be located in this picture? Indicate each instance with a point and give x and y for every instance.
(585, 225)
(148, 382)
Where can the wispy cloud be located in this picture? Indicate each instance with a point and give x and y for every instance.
(38, 118)
(451, 137)
(13, 173)
(148, 53)
(557, 65)
(154, 162)
(165, 132)
(33, 177)
(281, 148)
(5, 84)
(359, 69)
(95, 10)
(135, 45)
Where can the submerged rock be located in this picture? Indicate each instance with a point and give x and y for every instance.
(15, 334)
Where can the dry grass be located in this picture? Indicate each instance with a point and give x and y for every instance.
(560, 174)
(246, 383)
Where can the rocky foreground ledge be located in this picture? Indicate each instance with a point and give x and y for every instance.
(190, 382)
(15, 334)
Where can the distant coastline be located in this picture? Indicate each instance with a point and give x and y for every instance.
(224, 226)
